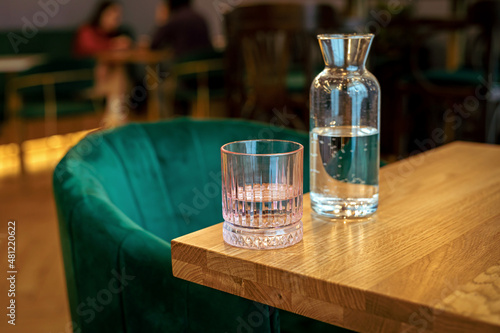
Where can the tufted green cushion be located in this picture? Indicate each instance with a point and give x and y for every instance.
(121, 196)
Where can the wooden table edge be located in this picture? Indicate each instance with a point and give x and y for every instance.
(420, 317)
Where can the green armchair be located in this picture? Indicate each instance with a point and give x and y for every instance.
(121, 196)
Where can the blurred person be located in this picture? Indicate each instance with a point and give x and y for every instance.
(180, 28)
(104, 33)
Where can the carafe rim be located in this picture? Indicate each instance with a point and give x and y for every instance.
(345, 36)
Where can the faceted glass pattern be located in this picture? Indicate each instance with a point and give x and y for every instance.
(262, 193)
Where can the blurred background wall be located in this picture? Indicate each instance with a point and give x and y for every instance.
(139, 14)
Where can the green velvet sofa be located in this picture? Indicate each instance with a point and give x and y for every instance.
(122, 196)
(57, 44)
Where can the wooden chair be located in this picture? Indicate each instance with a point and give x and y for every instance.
(452, 89)
(272, 56)
(48, 92)
(196, 79)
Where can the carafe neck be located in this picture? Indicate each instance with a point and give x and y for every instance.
(345, 52)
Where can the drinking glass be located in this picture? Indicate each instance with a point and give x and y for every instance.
(262, 193)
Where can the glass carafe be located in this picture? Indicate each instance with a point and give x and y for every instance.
(344, 130)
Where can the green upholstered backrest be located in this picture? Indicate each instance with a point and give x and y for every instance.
(57, 47)
(70, 94)
(166, 176)
(121, 196)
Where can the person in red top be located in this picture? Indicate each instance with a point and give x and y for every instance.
(101, 34)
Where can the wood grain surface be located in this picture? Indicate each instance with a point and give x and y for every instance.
(428, 261)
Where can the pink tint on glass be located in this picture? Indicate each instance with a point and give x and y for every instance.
(262, 193)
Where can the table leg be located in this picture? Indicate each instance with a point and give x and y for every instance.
(12, 105)
(153, 98)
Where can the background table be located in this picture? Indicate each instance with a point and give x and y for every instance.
(428, 261)
(145, 57)
(19, 63)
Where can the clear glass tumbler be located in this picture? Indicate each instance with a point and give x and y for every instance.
(262, 193)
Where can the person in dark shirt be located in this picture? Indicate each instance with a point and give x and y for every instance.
(181, 28)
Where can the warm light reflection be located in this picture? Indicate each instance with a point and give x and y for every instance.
(39, 154)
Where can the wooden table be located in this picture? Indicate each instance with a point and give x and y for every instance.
(428, 261)
(135, 56)
(20, 63)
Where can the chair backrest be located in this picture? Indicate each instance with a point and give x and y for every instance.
(72, 84)
(158, 180)
(486, 13)
(54, 43)
(58, 87)
(264, 43)
(166, 176)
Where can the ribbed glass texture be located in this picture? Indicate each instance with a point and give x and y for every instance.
(262, 193)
